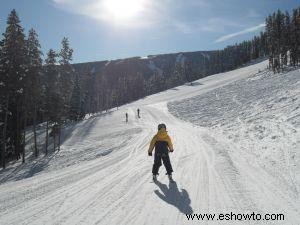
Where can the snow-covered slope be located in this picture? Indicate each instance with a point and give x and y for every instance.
(241, 159)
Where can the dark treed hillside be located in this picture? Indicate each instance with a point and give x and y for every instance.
(132, 78)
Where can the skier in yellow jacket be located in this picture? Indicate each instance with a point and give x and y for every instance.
(163, 145)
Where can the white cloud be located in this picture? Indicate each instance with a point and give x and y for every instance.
(246, 31)
(160, 14)
(153, 13)
(148, 14)
(211, 25)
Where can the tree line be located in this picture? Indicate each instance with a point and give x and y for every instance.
(283, 39)
(32, 91)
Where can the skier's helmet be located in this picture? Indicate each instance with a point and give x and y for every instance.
(162, 125)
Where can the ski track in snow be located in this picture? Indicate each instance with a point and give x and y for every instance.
(223, 163)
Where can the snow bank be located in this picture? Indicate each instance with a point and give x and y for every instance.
(259, 115)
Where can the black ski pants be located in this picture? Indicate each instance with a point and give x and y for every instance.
(164, 156)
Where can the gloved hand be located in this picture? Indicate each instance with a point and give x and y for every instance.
(149, 153)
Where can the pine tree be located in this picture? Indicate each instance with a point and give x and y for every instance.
(286, 37)
(53, 104)
(270, 39)
(66, 74)
(263, 44)
(280, 20)
(13, 73)
(3, 107)
(66, 80)
(295, 37)
(34, 76)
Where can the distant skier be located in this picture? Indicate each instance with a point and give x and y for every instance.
(138, 112)
(126, 115)
(163, 145)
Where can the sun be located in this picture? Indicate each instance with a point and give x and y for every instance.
(123, 9)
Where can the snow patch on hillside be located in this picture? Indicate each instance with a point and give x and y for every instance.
(107, 63)
(154, 68)
(180, 60)
(205, 55)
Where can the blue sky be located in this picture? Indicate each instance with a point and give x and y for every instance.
(112, 29)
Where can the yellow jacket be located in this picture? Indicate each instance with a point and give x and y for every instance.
(161, 135)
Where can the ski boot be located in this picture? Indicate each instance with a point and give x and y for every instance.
(154, 178)
(171, 178)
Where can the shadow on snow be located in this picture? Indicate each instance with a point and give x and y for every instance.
(172, 196)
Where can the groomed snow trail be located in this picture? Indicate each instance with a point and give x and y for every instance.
(116, 187)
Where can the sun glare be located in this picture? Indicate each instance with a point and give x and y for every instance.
(123, 9)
